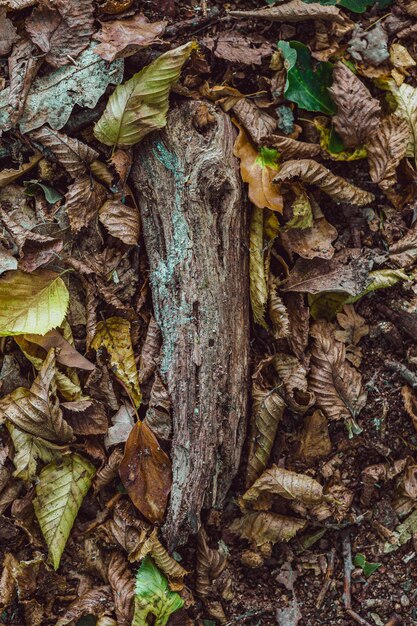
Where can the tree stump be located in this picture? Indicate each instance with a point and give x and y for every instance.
(194, 218)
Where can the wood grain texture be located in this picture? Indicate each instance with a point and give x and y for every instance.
(194, 218)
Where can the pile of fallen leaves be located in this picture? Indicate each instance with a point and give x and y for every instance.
(324, 99)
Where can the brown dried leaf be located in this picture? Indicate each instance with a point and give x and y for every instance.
(210, 564)
(337, 385)
(293, 375)
(124, 37)
(150, 351)
(410, 403)
(61, 29)
(299, 318)
(257, 275)
(262, 191)
(122, 583)
(386, 147)
(314, 241)
(24, 63)
(83, 200)
(100, 385)
(256, 122)
(277, 312)
(314, 173)
(290, 148)
(267, 411)
(65, 353)
(380, 472)
(109, 471)
(236, 48)
(145, 472)
(86, 417)
(36, 410)
(285, 483)
(8, 33)
(121, 220)
(315, 441)
(353, 324)
(74, 155)
(97, 602)
(295, 11)
(158, 415)
(404, 251)
(267, 528)
(8, 587)
(347, 272)
(122, 163)
(357, 111)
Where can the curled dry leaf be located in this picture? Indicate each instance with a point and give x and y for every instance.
(386, 147)
(122, 583)
(380, 472)
(8, 33)
(158, 415)
(109, 471)
(258, 286)
(267, 411)
(28, 450)
(86, 417)
(293, 375)
(145, 472)
(210, 564)
(315, 441)
(314, 173)
(266, 528)
(357, 111)
(337, 385)
(65, 353)
(410, 403)
(299, 317)
(36, 410)
(121, 220)
(291, 148)
(256, 122)
(74, 155)
(61, 29)
(97, 601)
(285, 483)
(277, 312)
(124, 37)
(295, 11)
(258, 170)
(114, 335)
(404, 251)
(150, 351)
(169, 566)
(84, 198)
(406, 98)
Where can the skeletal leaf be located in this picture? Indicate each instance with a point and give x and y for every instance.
(314, 173)
(258, 284)
(121, 221)
(210, 564)
(315, 441)
(285, 483)
(267, 528)
(386, 147)
(140, 105)
(36, 410)
(406, 98)
(122, 583)
(124, 37)
(28, 451)
(404, 251)
(337, 385)
(145, 472)
(59, 495)
(31, 303)
(357, 111)
(295, 11)
(258, 168)
(267, 411)
(74, 155)
(114, 334)
(153, 597)
(410, 404)
(53, 96)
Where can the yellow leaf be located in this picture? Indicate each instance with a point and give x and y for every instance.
(31, 303)
(114, 335)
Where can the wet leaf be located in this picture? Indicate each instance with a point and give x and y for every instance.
(306, 86)
(145, 471)
(140, 105)
(258, 169)
(337, 385)
(386, 147)
(59, 495)
(314, 173)
(124, 37)
(315, 441)
(267, 411)
(52, 97)
(114, 335)
(258, 285)
(121, 221)
(152, 596)
(36, 410)
(267, 528)
(357, 111)
(286, 484)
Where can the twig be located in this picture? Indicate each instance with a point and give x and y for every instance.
(348, 567)
(327, 578)
(403, 371)
(357, 618)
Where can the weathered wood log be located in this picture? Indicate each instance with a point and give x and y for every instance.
(195, 228)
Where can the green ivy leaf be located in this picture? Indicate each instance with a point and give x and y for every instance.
(366, 567)
(307, 86)
(153, 597)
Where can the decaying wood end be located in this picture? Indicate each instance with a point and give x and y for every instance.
(195, 227)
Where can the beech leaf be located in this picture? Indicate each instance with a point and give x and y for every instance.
(31, 303)
(287, 484)
(59, 495)
(267, 528)
(386, 147)
(121, 221)
(258, 285)
(405, 97)
(140, 105)
(153, 597)
(28, 451)
(124, 37)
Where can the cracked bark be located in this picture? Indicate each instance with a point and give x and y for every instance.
(194, 219)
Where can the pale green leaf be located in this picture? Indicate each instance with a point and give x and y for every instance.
(28, 451)
(153, 597)
(31, 303)
(406, 98)
(140, 105)
(59, 495)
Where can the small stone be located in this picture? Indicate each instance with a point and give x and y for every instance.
(405, 601)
